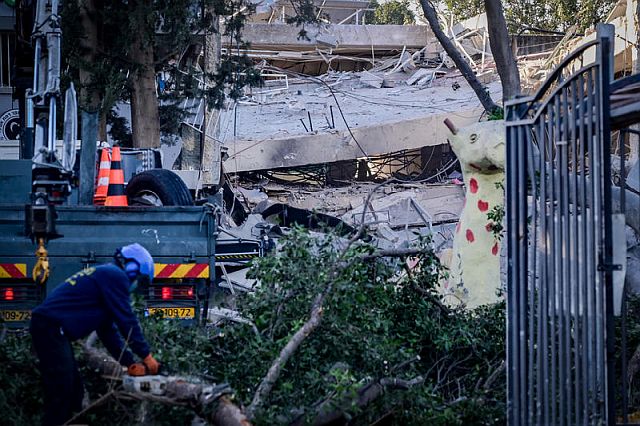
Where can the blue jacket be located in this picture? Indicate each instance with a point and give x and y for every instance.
(97, 299)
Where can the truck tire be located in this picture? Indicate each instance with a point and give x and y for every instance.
(158, 187)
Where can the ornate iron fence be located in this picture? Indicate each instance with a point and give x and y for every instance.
(559, 225)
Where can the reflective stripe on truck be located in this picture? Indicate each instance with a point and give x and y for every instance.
(13, 270)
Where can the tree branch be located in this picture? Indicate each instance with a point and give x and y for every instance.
(327, 413)
(501, 49)
(315, 317)
(292, 345)
(481, 92)
(177, 391)
(392, 253)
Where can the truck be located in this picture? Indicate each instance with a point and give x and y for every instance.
(47, 232)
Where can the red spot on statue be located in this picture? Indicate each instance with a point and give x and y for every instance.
(489, 227)
(494, 249)
(470, 237)
(473, 185)
(483, 206)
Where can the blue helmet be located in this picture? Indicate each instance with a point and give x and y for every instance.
(136, 260)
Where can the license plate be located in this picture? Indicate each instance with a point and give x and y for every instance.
(185, 313)
(16, 315)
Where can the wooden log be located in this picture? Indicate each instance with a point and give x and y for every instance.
(176, 390)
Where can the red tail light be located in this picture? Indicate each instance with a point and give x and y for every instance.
(8, 294)
(190, 292)
(166, 293)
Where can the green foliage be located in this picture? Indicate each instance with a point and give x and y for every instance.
(632, 304)
(305, 13)
(395, 12)
(497, 114)
(171, 115)
(166, 27)
(552, 15)
(21, 393)
(374, 322)
(119, 129)
(496, 216)
(377, 323)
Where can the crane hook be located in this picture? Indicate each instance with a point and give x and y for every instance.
(40, 271)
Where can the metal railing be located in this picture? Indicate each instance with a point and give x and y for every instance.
(559, 227)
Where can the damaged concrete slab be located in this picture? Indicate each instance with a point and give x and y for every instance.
(314, 122)
(340, 38)
(421, 206)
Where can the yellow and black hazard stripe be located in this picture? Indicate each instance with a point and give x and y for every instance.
(195, 270)
(13, 270)
(236, 256)
(181, 270)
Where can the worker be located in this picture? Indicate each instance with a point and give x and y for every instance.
(94, 299)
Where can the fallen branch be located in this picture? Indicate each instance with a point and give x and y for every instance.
(633, 366)
(494, 376)
(427, 294)
(101, 362)
(94, 404)
(327, 413)
(276, 367)
(393, 253)
(315, 318)
(168, 390)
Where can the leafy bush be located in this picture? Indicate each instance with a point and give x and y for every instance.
(377, 323)
(391, 13)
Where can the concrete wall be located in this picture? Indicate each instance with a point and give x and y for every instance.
(247, 155)
(340, 38)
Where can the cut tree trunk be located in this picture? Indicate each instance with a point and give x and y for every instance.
(178, 390)
(501, 49)
(463, 66)
(145, 119)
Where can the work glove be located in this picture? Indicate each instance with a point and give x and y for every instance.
(152, 365)
(137, 369)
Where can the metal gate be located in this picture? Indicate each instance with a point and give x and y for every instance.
(559, 292)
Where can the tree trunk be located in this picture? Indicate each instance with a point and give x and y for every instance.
(211, 158)
(145, 120)
(501, 49)
(178, 390)
(102, 126)
(89, 101)
(464, 67)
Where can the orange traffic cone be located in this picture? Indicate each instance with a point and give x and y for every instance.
(103, 178)
(115, 193)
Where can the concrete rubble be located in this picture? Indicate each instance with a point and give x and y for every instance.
(343, 116)
(345, 101)
(350, 117)
(397, 215)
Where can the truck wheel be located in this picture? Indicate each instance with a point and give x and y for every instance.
(158, 187)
